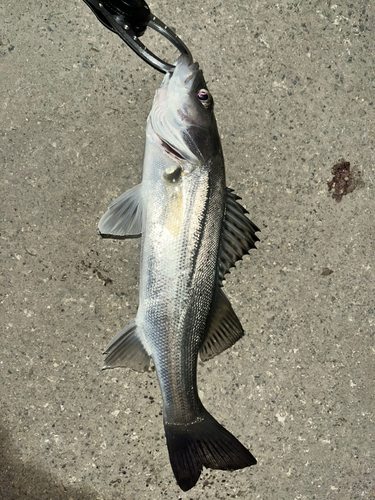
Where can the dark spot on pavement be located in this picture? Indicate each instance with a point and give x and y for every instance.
(87, 268)
(344, 181)
(326, 271)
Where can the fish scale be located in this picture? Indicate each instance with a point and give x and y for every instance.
(177, 328)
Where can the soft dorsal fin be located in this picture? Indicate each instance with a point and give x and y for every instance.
(127, 350)
(237, 236)
(123, 218)
(223, 327)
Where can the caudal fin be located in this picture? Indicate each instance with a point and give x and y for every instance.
(204, 442)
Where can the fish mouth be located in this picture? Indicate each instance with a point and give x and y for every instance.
(185, 70)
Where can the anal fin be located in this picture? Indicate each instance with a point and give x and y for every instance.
(126, 350)
(223, 327)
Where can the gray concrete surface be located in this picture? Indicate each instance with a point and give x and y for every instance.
(294, 89)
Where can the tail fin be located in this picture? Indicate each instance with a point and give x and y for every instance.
(204, 442)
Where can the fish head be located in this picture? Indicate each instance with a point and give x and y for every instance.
(182, 117)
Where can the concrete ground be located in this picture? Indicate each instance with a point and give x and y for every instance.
(293, 84)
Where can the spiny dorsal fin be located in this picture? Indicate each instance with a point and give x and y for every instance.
(223, 327)
(126, 350)
(237, 237)
(124, 216)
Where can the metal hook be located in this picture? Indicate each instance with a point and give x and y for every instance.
(119, 25)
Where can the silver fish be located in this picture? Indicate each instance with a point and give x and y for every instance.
(193, 230)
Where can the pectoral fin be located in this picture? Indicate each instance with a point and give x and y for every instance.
(123, 218)
(238, 235)
(223, 327)
(126, 350)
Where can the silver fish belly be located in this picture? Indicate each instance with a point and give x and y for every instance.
(193, 230)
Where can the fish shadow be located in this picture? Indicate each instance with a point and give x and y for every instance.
(20, 480)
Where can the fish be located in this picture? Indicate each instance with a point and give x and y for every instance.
(193, 231)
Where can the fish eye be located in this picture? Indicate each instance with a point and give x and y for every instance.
(205, 97)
